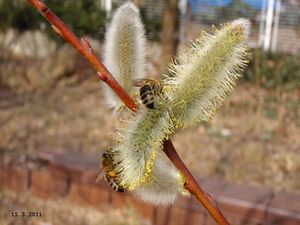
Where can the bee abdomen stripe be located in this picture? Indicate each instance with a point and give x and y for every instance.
(145, 89)
(143, 95)
(148, 99)
(150, 105)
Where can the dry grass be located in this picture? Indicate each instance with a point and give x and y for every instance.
(253, 139)
(74, 118)
(61, 212)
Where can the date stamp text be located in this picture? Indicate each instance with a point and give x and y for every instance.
(26, 214)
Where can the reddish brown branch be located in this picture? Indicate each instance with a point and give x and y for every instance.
(192, 186)
(84, 48)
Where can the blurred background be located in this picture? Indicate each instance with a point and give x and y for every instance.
(50, 97)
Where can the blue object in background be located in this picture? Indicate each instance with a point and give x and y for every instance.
(210, 2)
(199, 6)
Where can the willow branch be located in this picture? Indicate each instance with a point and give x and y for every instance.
(84, 48)
(191, 184)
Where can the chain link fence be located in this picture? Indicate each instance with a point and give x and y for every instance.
(275, 23)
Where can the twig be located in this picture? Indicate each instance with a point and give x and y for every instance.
(84, 48)
(191, 184)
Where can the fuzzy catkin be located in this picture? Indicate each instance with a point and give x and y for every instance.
(201, 80)
(124, 51)
(165, 185)
(205, 74)
(138, 146)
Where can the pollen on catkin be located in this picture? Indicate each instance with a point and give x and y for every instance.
(139, 144)
(200, 81)
(205, 73)
(165, 185)
(124, 51)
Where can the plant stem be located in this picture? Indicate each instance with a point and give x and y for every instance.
(192, 186)
(84, 48)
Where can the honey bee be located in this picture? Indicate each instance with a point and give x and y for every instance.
(150, 89)
(108, 172)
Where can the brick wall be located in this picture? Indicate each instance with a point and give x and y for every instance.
(57, 174)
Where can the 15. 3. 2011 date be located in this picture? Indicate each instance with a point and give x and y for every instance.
(26, 214)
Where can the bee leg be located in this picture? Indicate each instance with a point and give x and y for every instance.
(99, 177)
(120, 189)
(149, 102)
(115, 186)
(120, 108)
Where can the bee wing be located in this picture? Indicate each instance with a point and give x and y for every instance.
(142, 82)
(139, 82)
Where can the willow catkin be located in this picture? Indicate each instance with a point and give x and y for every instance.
(124, 51)
(201, 79)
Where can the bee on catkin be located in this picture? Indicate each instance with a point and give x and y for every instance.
(108, 171)
(150, 90)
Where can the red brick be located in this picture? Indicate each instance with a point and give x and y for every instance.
(80, 167)
(196, 213)
(145, 209)
(286, 201)
(183, 201)
(178, 216)
(241, 214)
(190, 203)
(232, 219)
(193, 218)
(45, 185)
(245, 202)
(209, 220)
(240, 204)
(89, 194)
(119, 199)
(87, 176)
(214, 187)
(162, 215)
(284, 209)
(14, 178)
(3, 175)
(245, 193)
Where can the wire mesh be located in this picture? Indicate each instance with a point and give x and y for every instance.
(275, 23)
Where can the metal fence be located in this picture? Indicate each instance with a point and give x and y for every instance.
(275, 23)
